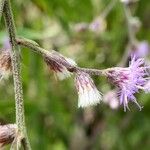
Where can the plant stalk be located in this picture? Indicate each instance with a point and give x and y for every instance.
(16, 69)
(1, 7)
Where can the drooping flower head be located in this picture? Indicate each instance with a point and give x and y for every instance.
(7, 134)
(87, 91)
(59, 64)
(5, 64)
(129, 80)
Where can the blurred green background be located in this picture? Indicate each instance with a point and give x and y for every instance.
(53, 120)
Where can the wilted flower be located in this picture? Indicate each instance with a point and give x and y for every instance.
(59, 64)
(98, 25)
(87, 91)
(129, 80)
(7, 134)
(141, 49)
(111, 99)
(5, 64)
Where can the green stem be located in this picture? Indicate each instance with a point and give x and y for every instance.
(16, 69)
(108, 8)
(1, 7)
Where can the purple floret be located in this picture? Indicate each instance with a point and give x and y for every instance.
(129, 81)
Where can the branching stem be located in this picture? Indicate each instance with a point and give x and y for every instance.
(36, 48)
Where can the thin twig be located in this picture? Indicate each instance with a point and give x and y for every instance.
(16, 69)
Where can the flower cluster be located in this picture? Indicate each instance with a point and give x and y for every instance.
(129, 80)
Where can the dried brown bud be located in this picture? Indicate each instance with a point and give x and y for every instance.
(7, 134)
(5, 64)
(59, 64)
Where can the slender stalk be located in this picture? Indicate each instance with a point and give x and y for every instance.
(108, 9)
(1, 7)
(16, 69)
(36, 48)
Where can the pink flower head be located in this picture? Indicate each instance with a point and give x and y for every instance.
(111, 99)
(87, 91)
(129, 80)
(140, 50)
(7, 134)
(59, 64)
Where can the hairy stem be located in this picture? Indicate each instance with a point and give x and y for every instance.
(15, 56)
(36, 48)
(1, 7)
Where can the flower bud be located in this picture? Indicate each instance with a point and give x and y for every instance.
(7, 134)
(59, 64)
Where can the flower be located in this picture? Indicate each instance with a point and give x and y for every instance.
(140, 50)
(111, 99)
(5, 64)
(87, 91)
(129, 80)
(59, 64)
(7, 134)
(6, 43)
(98, 25)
